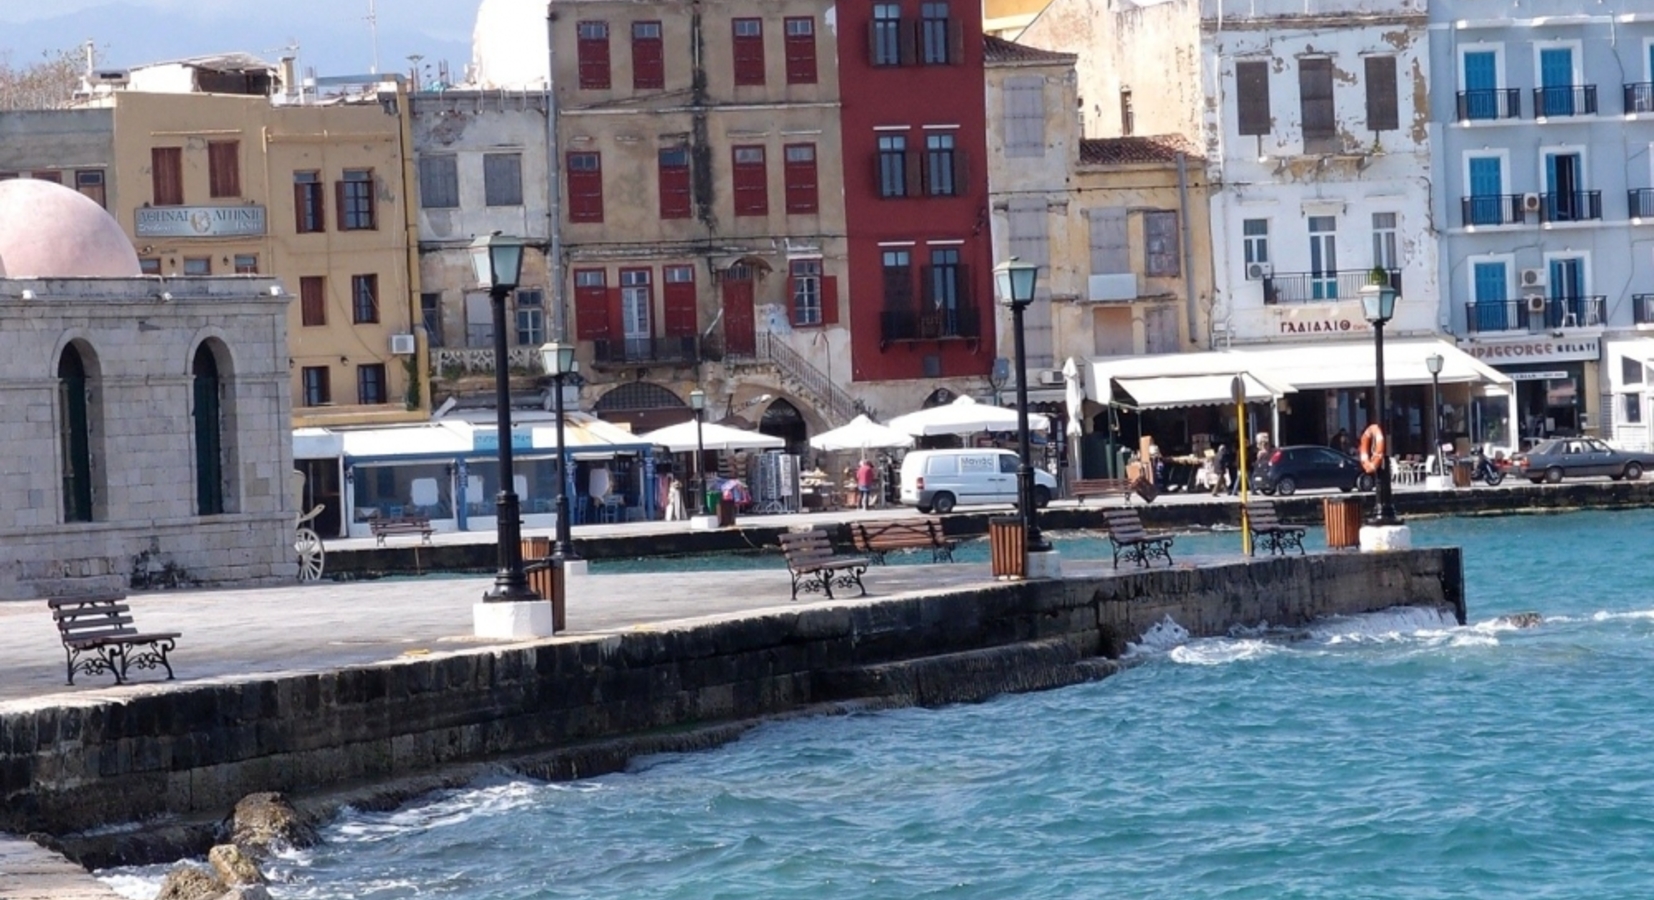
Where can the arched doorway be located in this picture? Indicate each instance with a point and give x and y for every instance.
(783, 420)
(74, 435)
(938, 397)
(207, 414)
(643, 405)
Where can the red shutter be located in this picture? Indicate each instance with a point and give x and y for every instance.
(648, 64)
(801, 54)
(751, 184)
(591, 313)
(680, 308)
(594, 59)
(829, 300)
(617, 317)
(674, 189)
(749, 55)
(585, 191)
(802, 196)
(956, 41)
(299, 194)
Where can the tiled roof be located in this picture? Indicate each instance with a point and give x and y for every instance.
(1160, 148)
(1000, 50)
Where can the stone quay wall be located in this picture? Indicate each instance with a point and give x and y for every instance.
(187, 751)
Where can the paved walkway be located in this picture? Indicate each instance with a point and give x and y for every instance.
(28, 872)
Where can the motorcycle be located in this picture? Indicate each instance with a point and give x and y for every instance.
(1483, 468)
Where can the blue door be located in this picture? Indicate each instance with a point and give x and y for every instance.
(1487, 188)
(1491, 312)
(1481, 85)
(1556, 81)
(1567, 306)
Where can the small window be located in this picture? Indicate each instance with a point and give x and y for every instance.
(805, 276)
(197, 265)
(1633, 409)
(430, 313)
(1128, 116)
(1382, 111)
(751, 182)
(313, 301)
(892, 165)
(941, 177)
(166, 171)
(370, 384)
(748, 52)
(1320, 121)
(439, 182)
(1252, 97)
(1631, 371)
(356, 207)
(502, 179)
(55, 177)
(935, 30)
(246, 264)
(317, 391)
(1160, 244)
(592, 49)
(1255, 234)
(91, 183)
(585, 187)
(224, 168)
(675, 202)
(802, 193)
(531, 318)
(801, 51)
(885, 44)
(364, 299)
(648, 57)
(149, 265)
(309, 209)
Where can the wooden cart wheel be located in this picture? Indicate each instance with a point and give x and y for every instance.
(307, 545)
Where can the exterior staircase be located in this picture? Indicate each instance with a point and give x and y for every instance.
(800, 376)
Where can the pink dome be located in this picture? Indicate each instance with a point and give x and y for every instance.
(50, 231)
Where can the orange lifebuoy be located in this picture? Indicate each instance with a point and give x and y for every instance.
(1372, 449)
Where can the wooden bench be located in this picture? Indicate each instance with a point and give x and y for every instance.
(878, 538)
(1267, 529)
(98, 636)
(1126, 534)
(384, 527)
(815, 567)
(1081, 488)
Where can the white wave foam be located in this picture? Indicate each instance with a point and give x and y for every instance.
(1159, 638)
(1606, 616)
(1398, 623)
(132, 886)
(442, 811)
(1221, 651)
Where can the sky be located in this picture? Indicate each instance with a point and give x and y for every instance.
(333, 36)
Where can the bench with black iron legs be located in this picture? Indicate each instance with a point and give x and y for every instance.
(385, 527)
(1126, 534)
(1081, 488)
(1267, 529)
(815, 567)
(878, 538)
(98, 636)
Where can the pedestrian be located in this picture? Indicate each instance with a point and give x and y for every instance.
(1341, 441)
(1226, 467)
(866, 478)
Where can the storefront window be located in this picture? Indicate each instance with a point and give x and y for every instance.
(1490, 421)
(395, 491)
(1632, 409)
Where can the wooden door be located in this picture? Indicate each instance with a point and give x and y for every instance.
(740, 338)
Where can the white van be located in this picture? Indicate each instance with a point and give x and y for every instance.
(942, 479)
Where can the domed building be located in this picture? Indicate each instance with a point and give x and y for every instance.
(146, 429)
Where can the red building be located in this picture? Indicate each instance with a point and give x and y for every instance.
(916, 189)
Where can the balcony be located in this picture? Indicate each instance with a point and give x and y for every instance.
(1640, 203)
(1573, 206)
(1565, 100)
(1484, 106)
(1535, 313)
(1639, 98)
(1321, 287)
(901, 325)
(1642, 309)
(1493, 209)
(460, 362)
(649, 351)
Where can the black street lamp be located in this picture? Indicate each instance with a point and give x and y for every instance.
(697, 402)
(1378, 302)
(559, 362)
(1016, 280)
(498, 261)
(1433, 362)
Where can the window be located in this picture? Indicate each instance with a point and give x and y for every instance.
(1631, 371)
(77, 417)
(941, 179)
(197, 265)
(1633, 409)
(892, 165)
(1252, 96)
(531, 318)
(166, 173)
(591, 305)
(898, 279)
(1255, 240)
(938, 42)
(804, 275)
(748, 51)
(502, 179)
(313, 301)
(801, 51)
(309, 213)
(674, 183)
(944, 290)
(479, 320)
(439, 182)
(679, 299)
(751, 188)
(364, 299)
(90, 182)
(356, 200)
(1323, 257)
(224, 168)
(51, 175)
(317, 392)
(149, 265)
(1160, 244)
(1315, 103)
(208, 415)
(246, 264)
(370, 384)
(885, 38)
(800, 173)
(1025, 117)
(1110, 240)
(1384, 242)
(430, 313)
(592, 49)
(648, 57)
(585, 187)
(636, 304)
(1382, 112)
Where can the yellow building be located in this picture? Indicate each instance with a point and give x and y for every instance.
(1007, 18)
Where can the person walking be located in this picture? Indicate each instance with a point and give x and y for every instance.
(1228, 473)
(866, 478)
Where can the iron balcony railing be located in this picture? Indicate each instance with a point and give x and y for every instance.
(1493, 209)
(1565, 100)
(1503, 103)
(1318, 287)
(930, 324)
(1639, 97)
(1640, 203)
(1642, 309)
(644, 351)
(1572, 206)
(1536, 313)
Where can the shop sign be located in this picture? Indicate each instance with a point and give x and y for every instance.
(1557, 375)
(1534, 349)
(199, 221)
(488, 440)
(1332, 320)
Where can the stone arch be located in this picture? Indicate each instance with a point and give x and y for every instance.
(940, 397)
(782, 419)
(643, 404)
(213, 414)
(79, 416)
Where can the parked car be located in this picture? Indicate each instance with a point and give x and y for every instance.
(1559, 458)
(943, 479)
(1308, 466)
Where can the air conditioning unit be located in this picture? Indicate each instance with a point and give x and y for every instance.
(403, 345)
(1536, 303)
(1050, 377)
(1532, 278)
(1530, 203)
(1257, 271)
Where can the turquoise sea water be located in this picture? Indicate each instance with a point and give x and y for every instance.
(1387, 756)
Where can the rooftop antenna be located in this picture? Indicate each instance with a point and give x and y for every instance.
(413, 69)
(373, 29)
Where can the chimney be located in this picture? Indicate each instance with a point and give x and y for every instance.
(289, 83)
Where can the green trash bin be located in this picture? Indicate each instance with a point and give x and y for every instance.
(711, 502)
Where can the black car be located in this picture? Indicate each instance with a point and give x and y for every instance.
(1307, 466)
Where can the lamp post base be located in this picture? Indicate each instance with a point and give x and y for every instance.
(1378, 538)
(515, 621)
(1043, 564)
(1438, 482)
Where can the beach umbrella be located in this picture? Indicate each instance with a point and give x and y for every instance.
(861, 434)
(1074, 396)
(964, 416)
(681, 438)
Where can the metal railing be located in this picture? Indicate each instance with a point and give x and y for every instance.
(1565, 100)
(1493, 209)
(644, 351)
(1639, 97)
(457, 361)
(1640, 203)
(1319, 287)
(1544, 314)
(1642, 309)
(930, 325)
(836, 401)
(1573, 206)
(1503, 103)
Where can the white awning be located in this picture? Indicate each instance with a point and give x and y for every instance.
(1192, 390)
(317, 443)
(1635, 349)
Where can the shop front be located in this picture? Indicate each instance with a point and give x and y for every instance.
(1554, 383)
(1629, 411)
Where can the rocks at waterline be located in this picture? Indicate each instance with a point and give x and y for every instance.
(265, 821)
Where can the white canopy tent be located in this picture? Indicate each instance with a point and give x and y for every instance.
(681, 438)
(861, 433)
(964, 416)
(1170, 391)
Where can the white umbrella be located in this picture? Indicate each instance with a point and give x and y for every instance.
(861, 434)
(680, 438)
(1074, 396)
(964, 416)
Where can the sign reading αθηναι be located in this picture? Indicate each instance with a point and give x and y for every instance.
(199, 221)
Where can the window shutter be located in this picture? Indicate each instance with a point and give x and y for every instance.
(1382, 111)
(956, 42)
(794, 314)
(829, 300)
(907, 35)
(298, 208)
(1252, 97)
(915, 174)
(617, 316)
(1320, 125)
(961, 175)
(339, 203)
(873, 42)
(962, 289)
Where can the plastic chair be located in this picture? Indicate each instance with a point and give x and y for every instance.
(609, 508)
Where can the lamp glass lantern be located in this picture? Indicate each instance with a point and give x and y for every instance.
(558, 358)
(1434, 362)
(497, 260)
(1015, 280)
(697, 399)
(1378, 302)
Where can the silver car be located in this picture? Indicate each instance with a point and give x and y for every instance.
(1558, 458)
